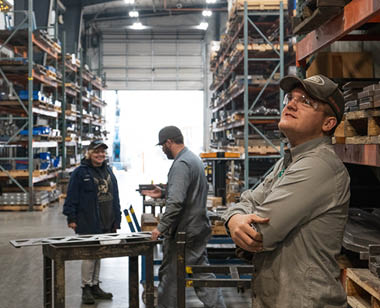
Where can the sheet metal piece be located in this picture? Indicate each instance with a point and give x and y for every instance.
(57, 240)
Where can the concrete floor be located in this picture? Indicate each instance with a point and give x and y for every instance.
(21, 269)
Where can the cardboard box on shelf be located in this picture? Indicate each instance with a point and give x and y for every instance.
(342, 65)
(213, 201)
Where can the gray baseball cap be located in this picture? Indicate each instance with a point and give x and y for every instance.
(168, 132)
(318, 87)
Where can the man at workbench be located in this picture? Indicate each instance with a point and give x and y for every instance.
(186, 197)
(294, 221)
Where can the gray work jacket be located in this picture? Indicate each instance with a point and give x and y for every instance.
(306, 197)
(186, 198)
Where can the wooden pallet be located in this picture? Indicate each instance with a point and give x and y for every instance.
(363, 288)
(261, 47)
(218, 230)
(45, 188)
(362, 127)
(256, 150)
(23, 173)
(252, 5)
(260, 5)
(213, 202)
(22, 207)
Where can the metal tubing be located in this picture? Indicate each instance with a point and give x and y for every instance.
(181, 281)
(30, 102)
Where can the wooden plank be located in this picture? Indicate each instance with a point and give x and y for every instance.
(319, 17)
(23, 173)
(374, 126)
(358, 140)
(16, 207)
(45, 188)
(214, 201)
(357, 302)
(218, 230)
(261, 4)
(364, 278)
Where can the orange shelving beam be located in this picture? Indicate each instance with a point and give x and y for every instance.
(354, 15)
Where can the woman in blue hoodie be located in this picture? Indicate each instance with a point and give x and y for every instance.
(92, 206)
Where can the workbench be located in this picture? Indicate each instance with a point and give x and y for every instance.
(57, 251)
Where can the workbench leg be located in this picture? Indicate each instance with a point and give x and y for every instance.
(181, 275)
(48, 282)
(59, 283)
(134, 282)
(149, 281)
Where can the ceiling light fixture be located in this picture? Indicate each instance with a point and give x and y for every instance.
(133, 13)
(210, 1)
(129, 1)
(203, 25)
(206, 13)
(137, 26)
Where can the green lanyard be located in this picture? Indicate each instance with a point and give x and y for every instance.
(281, 172)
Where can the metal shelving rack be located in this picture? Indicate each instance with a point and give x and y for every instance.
(59, 91)
(29, 120)
(355, 14)
(274, 58)
(247, 107)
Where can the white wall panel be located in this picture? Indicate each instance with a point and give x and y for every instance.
(114, 61)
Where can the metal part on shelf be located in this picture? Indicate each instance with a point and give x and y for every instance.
(362, 230)
(374, 260)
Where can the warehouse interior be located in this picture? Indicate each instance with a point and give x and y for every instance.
(77, 72)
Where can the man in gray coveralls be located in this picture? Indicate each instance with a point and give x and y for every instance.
(186, 197)
(305, 199)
